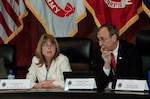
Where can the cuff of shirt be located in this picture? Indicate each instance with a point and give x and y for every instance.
(106, 71)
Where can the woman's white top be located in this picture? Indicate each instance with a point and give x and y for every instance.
(55, 72)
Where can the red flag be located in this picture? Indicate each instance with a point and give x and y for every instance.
(121, 13)
(11, 14)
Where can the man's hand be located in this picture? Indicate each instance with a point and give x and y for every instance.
(106, 55)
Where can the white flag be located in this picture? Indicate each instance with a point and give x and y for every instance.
(58, 17)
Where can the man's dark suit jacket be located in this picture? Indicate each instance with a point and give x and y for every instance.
(129, 65)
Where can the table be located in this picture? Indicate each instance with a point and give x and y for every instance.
(60, 94)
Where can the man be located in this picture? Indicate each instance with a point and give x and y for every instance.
(3, 73)
(126, 56)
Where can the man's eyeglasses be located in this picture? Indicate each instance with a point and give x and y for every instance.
(102, 39)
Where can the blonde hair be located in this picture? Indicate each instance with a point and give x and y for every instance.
(42, 40)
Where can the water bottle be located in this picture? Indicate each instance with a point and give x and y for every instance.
(11, 75)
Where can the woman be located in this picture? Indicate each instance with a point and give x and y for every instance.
(48, 64)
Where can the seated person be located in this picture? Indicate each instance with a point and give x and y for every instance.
(128, 63)
(3, 72)
(48, 64)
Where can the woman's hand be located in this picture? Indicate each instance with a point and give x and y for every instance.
(38, 85)
(46, 84)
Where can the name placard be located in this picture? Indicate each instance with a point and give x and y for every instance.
(15, 84)
(131, 85)
(80, 83)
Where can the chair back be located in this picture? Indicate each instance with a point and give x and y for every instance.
(79, 51)
(7, 51)
(143, 44)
